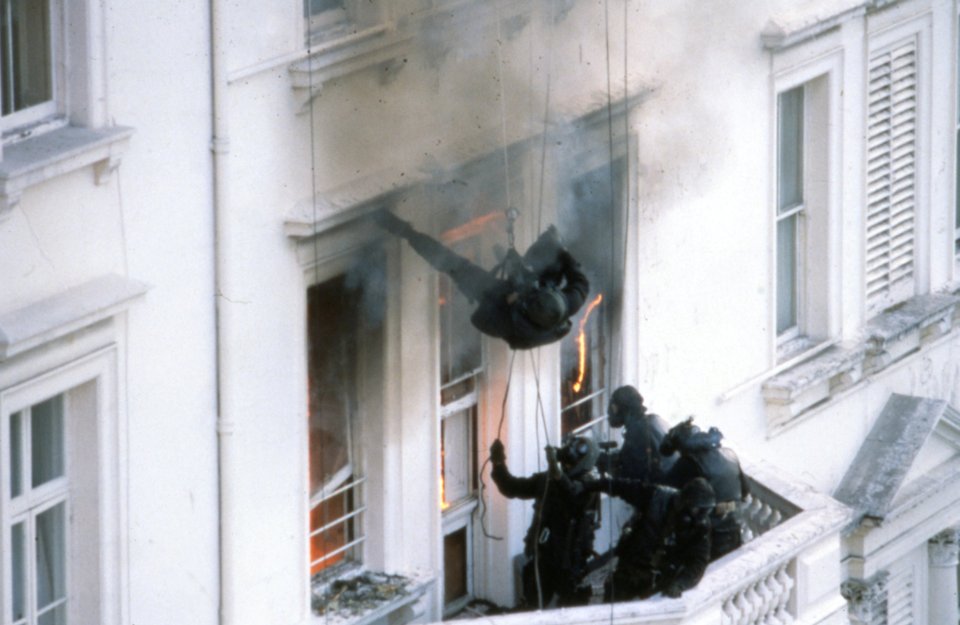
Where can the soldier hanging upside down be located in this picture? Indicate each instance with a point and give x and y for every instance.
(526, 301)
(560, 538)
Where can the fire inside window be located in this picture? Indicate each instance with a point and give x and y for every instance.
(461, 365)
(336, 498)
(587, 222)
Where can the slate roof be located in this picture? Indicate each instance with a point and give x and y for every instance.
(877, 473)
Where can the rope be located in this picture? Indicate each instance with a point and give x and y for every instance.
(483, 484)
(503, 111)
(546, 117)
(606, 19)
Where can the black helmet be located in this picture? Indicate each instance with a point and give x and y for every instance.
(625, 400)
(697, 494)
(544, 307)
(578, 455)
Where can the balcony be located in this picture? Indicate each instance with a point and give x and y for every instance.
(788, 571)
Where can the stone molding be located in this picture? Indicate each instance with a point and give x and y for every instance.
(867, 599)
(891, 336)
(944, 549)
(56, 153)
(66, 313)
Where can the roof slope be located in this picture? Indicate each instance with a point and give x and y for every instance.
(878, 472)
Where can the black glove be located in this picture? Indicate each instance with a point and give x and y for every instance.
(673, 591)
(497, 454)
(392, 224)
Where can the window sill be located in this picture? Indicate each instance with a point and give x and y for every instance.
(403, 609)
(345, 55)
(61, 151)
(888, 338)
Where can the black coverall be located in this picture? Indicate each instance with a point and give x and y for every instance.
(720, 467)
(663, 547)
(639, 457)
(499, 312)
(561, 542)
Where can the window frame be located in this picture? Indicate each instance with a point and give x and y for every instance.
(956, 135)
(90, 414)
(796, 212)
(600, 312)
(350, 481)
(48, 114)
(350, 18)
(818, 247)
(459, 514)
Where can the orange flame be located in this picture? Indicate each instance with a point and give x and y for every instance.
(444, 504)
(582, 343)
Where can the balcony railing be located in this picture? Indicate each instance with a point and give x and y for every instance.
(788, 571)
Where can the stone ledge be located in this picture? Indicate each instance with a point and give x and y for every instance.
(67, 312)
(903, 329)
(56, 153)
(812, 382)
(887, 338)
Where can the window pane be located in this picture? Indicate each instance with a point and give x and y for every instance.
(455, 565)
(27, 72)
(790, 149)
(460, 341)
(957, 184)
(786, 273)
(588, 217)
(54, 616)
(313, 7)
(51, 556)
(16, 454)
(332, 330)
(47, 440)
(335, 536)
(18, 544)
(456, 455)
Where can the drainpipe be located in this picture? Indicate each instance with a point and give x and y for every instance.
(219, 147)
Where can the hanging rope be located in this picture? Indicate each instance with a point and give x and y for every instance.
(483, 486)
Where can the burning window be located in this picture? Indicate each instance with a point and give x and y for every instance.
(461, 366)
(588, 220)
(336, 480)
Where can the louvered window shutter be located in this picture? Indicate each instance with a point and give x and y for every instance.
(900, 597)
(891, 157)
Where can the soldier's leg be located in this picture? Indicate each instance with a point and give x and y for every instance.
(471, 279)
(468, 277)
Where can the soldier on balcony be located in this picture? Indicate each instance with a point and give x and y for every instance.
(702, 456)
(525, 300)
(639, 457)
(665, 547)
(560, 538)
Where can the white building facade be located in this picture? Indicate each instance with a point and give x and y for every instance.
(222, 386)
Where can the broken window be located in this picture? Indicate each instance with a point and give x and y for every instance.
(336, 476)
(587, 222)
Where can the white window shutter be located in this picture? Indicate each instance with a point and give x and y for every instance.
(900, 597)
(891, 158)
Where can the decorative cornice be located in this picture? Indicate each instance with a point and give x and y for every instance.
(944, 548)
(867, 598)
